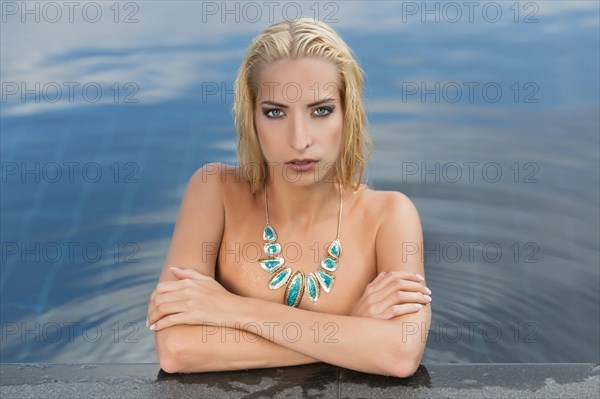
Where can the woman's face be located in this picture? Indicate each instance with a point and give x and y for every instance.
(299, 115)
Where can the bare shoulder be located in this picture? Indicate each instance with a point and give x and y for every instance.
(397, 222)
(200, 223)
(388, 203)
(218, 176)
(399, 237)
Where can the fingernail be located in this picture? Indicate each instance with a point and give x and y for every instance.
(147, 324)
(174, 268)
(418, 305)
(427, 297)
(420, 277)
(153, 326)
(427, 290)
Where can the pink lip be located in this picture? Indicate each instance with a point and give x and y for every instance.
(303, 168)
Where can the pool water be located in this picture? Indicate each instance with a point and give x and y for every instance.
(490, 125)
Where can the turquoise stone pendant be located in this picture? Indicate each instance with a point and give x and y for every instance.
(272, 249)
(312, 287)
(269, 234)
(280, 278)
(335, 249)
(272, 264)
(294, 290)
(329, 264)
(326, 279)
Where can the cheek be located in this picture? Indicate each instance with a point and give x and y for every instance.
(262, 137)
(338, 129)
(258, 126)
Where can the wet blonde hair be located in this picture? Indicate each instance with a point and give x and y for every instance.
(295, 39)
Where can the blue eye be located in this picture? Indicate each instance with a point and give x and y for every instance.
(275, 113)
(269, 113)
(323, 111)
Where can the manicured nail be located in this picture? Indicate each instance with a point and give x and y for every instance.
(427, 297)
(174, 268)
(153, 326)
(427, 290)
(420, 277)
(418, 305)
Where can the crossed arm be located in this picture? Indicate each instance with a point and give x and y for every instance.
(200, 326)
(251, 333)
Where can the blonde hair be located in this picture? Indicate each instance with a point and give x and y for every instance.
(295, 39)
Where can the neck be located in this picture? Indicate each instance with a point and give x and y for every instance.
(302, 207)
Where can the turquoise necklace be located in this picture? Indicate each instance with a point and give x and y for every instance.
(297, 283)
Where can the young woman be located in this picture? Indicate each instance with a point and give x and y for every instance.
(289, 258)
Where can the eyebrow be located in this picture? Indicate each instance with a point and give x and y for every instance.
(323, 101)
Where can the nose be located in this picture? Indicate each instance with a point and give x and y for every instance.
(300, 137)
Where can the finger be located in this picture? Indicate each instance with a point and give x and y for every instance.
(406, 285)
(405, 275)
(165, 298)
(397, 277)
(396, 284)
(401, 297)
(167, 322)
(379, 278)
(189, 273)
(165, 286)
(408, 276)
(163, 310)
(179, 273)
(373, 287)
(162, 287)
(399, 310)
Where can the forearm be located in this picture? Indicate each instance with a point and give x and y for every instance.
(200, 348)
(363, 344)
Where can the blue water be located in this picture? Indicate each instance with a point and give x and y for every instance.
(507, 186)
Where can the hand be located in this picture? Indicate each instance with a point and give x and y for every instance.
(390, 295)
(194, 299)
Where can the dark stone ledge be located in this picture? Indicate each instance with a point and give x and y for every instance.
(320, 380)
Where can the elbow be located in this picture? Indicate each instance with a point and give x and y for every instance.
(166, 350)
(403, 368)
(168, 363)
(178, 351)
(403, 363)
